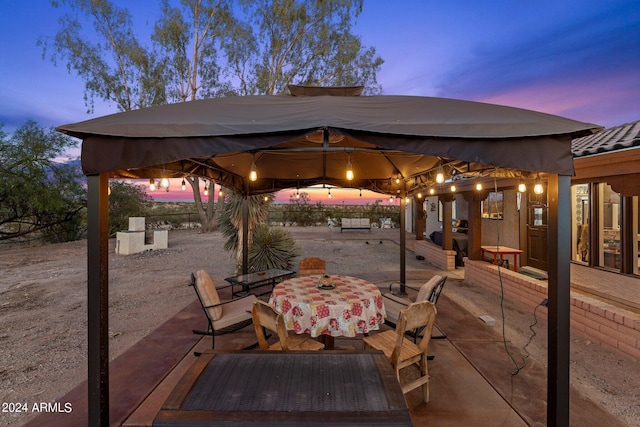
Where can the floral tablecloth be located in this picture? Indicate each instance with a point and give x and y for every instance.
(354, 307)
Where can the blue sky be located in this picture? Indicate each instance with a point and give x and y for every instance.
(578, 59)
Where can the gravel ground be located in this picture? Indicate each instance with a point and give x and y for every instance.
(43, 296)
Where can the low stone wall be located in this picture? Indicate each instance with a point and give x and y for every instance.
(603, 323)
(434, 254)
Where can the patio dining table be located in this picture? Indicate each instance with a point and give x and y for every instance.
(353, 306)
(274, 388)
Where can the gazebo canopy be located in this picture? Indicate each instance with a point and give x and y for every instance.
(298, 141)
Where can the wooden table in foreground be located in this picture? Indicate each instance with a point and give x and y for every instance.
(274, 388)
(502, 250)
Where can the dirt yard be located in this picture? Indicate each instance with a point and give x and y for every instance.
(43, 311)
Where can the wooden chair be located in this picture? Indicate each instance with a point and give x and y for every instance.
(313, 265)
(222, 317)
(394, 303)
(402, 352)
(265, 316)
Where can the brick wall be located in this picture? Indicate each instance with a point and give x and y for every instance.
(434, 254)
(603, 323)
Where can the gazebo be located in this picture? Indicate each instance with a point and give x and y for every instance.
(396, 145)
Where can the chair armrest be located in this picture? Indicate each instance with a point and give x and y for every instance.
(400, 284)
(228, 301)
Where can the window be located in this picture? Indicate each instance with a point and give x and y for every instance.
(492, 206)
(580, 223)
(610, 228)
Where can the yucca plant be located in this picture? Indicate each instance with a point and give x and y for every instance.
(272, 248)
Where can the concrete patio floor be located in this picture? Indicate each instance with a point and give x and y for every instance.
(471, 377)
(471, 374)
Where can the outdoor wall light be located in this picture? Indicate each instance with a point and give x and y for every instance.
(538, 189)
(152, 184)
(183, 185)
(349, 168)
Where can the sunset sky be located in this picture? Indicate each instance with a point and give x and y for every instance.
(578, 59)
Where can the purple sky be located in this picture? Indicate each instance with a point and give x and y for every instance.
(578, 59)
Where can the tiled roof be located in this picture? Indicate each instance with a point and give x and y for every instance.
(612, 139)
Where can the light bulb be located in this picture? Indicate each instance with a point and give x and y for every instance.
(164, 183)
(479, 186)
(329, 194)
(432, 191)
(419, 196)
(253, 173)
(183, 185)
(522, 187)
(538, 188)
(349, 169)
(453, 188)
(152, 185)
(440, 175)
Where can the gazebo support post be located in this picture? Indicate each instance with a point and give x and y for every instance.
(98, 298)
(245, 234)
(403, 246)
(559, 250)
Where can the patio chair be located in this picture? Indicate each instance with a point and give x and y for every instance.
(222, 317)
(265, 316)
(394, 303)
(400, 351)
(313, 265)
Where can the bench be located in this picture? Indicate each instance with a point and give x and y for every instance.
(355, 224)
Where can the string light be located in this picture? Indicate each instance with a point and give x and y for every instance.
(432, 191)
(329, 193)
(152, 184)
(440, 175)
(522, 187)
(478, 186)
(349, 168)
(419, 195)
(164, 183)
(253, 173)
(220, 193)
(206, 189)
(453, 188)
(538, 189)
(183, 185)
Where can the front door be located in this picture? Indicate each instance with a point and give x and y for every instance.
(537, 235)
